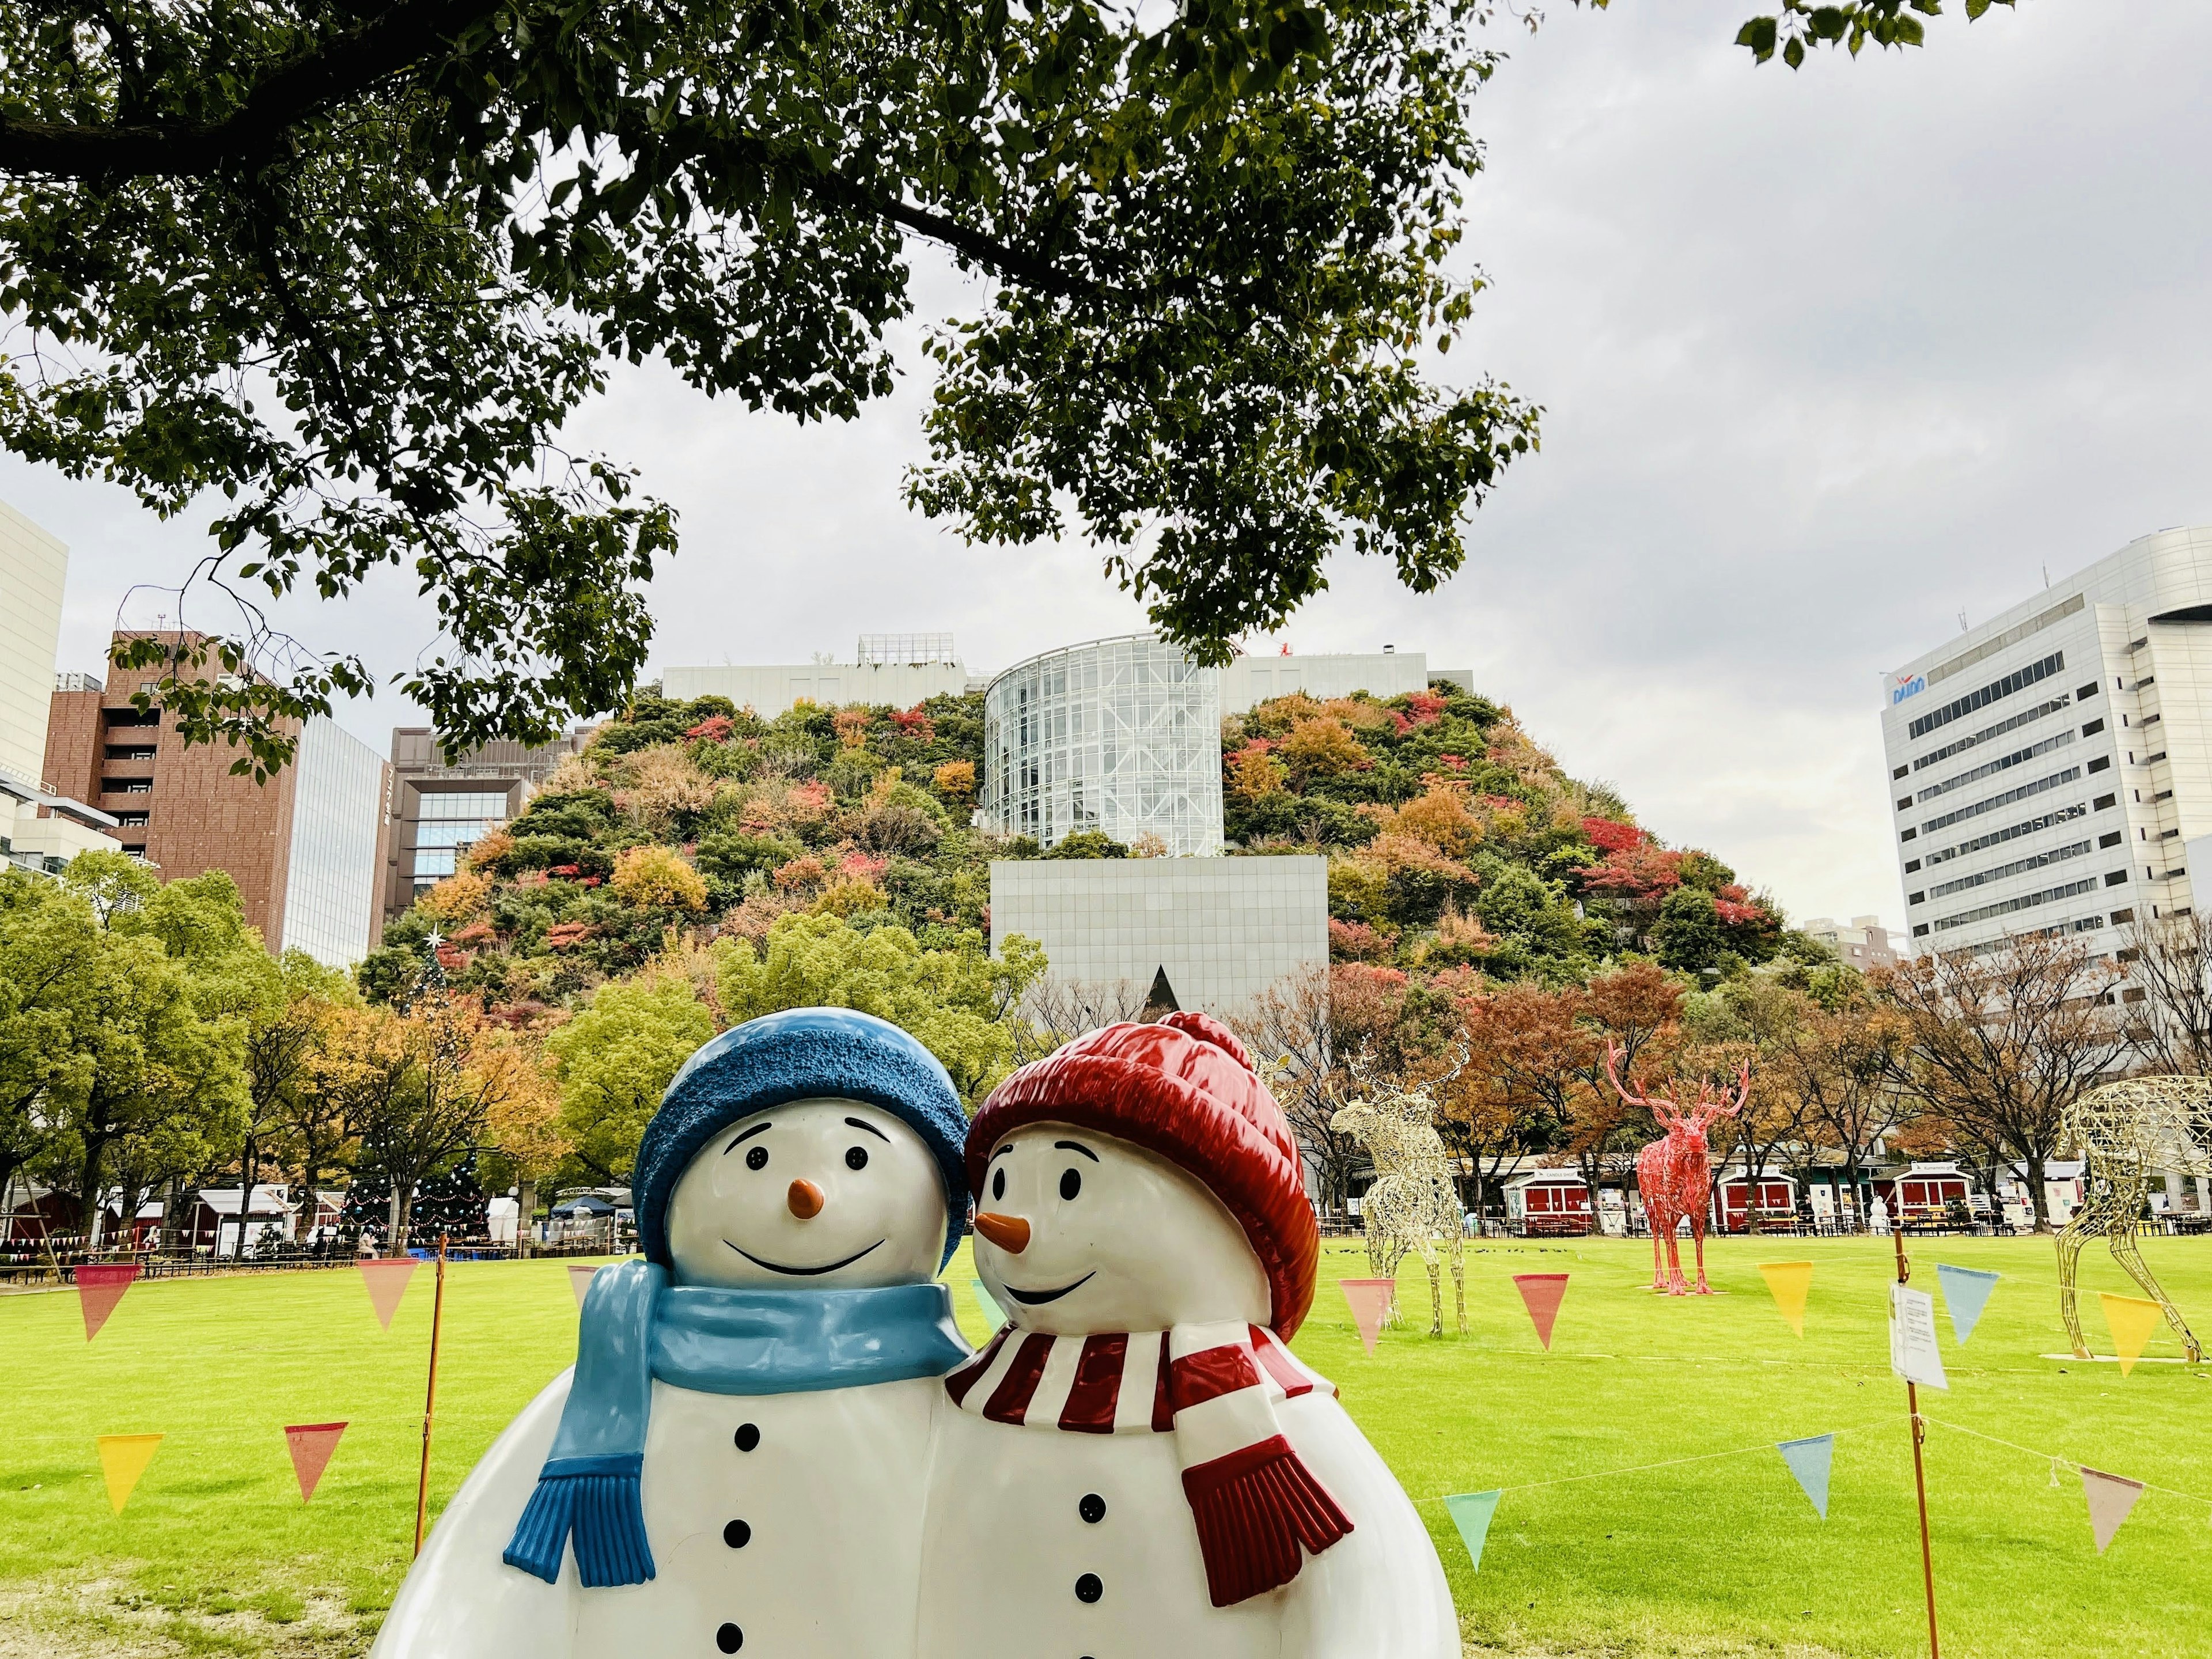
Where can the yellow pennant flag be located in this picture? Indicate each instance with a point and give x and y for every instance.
(2132, 1320)
(1790, 1281)
(123, 1459)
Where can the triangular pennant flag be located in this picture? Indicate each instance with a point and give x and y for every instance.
(2111, 1497)
(2132, 1320)
(387, 1279)
(1541, 1294)
(992, 1312)
(1966, 1293)
(1808, 1459)
(1790, 1281)
(1370, 1300)
(123, 1459)
(311, 1445)
(580, 1281)
(1471, 1512)
(100, 1286)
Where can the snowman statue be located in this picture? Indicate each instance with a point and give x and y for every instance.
(738, 1459)
(1137, 1465)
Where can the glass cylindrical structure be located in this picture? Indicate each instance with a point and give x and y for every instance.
(1120, 735)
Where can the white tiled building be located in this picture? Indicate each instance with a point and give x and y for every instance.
(38, 830)
(1863, 944)
(1224, 929)
(2052, 769)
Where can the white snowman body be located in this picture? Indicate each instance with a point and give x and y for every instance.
(1040, 1541)
(779, 1523)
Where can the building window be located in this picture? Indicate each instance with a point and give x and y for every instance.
(2101, 762)
(2112, 838)
(1908, 835)
(1899, 772)
(2092, 728)
(2104, 802)
(120, 752)
(126, 785)
(1911, 865)
(2018, 680)
(1905, 805)
(2086, 692)
(1920, 931)
(2120, 916)
(132, 820)
(2119, 878)
(1915, 898)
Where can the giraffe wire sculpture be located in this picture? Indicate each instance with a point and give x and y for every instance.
(1675, 1174)
(2124, 1131)
(1413, 1199)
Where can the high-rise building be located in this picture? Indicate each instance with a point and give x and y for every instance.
(41, 830)
(302, 846)
(33, 566)
(1119, 735)
(438, 807)
(2051, 768)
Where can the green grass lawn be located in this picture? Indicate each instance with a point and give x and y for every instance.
(215, 1553)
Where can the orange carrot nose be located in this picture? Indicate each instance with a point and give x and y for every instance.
(1009, 1233)
(806, 1200)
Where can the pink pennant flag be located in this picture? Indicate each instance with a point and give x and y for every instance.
(1541, 1294)
(387, 1279)
(2110, 1498)
(311, 1445)
(580, 1281)
(100, 1286)
(1370, 1300)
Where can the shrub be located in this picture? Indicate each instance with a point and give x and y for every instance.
(656, 878)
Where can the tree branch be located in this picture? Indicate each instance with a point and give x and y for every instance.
(305, 85)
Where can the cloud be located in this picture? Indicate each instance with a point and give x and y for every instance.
(1825, 358)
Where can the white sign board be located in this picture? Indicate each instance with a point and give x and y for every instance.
(1913, 1354)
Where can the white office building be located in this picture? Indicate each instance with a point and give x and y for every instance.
(2051, 770)
(40, 830)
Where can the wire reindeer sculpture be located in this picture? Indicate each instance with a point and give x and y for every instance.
(1414, 1201)
(1675, 1174)
(2124, 1132)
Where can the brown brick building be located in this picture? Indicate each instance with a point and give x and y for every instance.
(307, 848)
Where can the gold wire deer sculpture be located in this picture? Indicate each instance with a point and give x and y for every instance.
(1414, 1201)
(2124, 1132)
(1675, 1174)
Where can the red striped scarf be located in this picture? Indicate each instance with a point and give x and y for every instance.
(1214, 1386)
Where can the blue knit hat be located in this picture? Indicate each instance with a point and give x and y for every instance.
(799, 1054)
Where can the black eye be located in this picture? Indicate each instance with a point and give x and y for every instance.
(857, 1159)
(999, 1184)
(1071, 1183)
(757, 1158)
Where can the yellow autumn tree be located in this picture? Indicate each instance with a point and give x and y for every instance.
(656, 878)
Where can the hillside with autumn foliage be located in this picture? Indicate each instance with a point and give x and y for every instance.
(1454, 840)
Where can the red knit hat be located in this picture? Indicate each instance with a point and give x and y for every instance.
(1184, 1089)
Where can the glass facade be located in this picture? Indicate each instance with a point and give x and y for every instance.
(445, 824)
(331, 875)
(1120, 735)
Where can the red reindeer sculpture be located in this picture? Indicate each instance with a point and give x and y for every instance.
(1675, 1175)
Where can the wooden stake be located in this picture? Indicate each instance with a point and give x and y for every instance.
(430, 1402)
(1919, 1475)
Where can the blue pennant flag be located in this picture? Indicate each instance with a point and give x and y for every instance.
(1809, 1461)
(1470, 1513)
(1966, 1293)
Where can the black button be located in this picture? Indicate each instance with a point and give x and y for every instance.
(748, 1438)
(737, 1534)
(1092, 1508)
(729, 1639)
(1087, 1587)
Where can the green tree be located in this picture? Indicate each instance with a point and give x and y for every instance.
(1688, 935)
(614, 1060)
(956, 999)
(47, 937)
(356, 269)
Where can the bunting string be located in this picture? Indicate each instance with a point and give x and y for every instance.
(1767, 1446)
(2056, 1462)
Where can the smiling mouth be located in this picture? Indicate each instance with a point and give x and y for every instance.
(809, 1273)
(1038, 1298)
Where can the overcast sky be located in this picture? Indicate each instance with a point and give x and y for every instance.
(1826, 358)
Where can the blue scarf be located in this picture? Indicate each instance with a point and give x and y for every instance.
(637, 1327)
